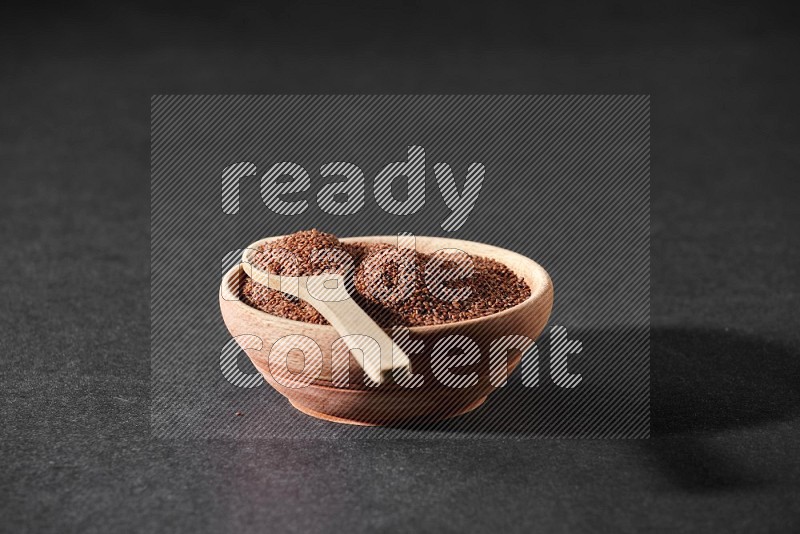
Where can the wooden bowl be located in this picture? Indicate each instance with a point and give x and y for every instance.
(390, 403)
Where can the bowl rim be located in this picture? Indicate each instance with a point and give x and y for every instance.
(544, 286)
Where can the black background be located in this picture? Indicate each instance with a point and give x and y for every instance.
(76, 453)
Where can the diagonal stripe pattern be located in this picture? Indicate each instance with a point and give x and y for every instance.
(562, 179)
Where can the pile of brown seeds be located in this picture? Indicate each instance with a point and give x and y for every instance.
(389, 283)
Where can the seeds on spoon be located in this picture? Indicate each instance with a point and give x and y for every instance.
(389, 283)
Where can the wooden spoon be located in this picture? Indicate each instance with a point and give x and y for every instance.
(329, 296)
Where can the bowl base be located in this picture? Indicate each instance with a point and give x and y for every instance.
(327, 417)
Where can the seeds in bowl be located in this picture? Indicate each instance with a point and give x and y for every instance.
(395, 286)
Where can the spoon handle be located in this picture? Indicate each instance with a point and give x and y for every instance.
(380, 359)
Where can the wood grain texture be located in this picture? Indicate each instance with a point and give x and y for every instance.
(390, 403)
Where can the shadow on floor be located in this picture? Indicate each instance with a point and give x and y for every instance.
(705, 381)
(702, 381)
